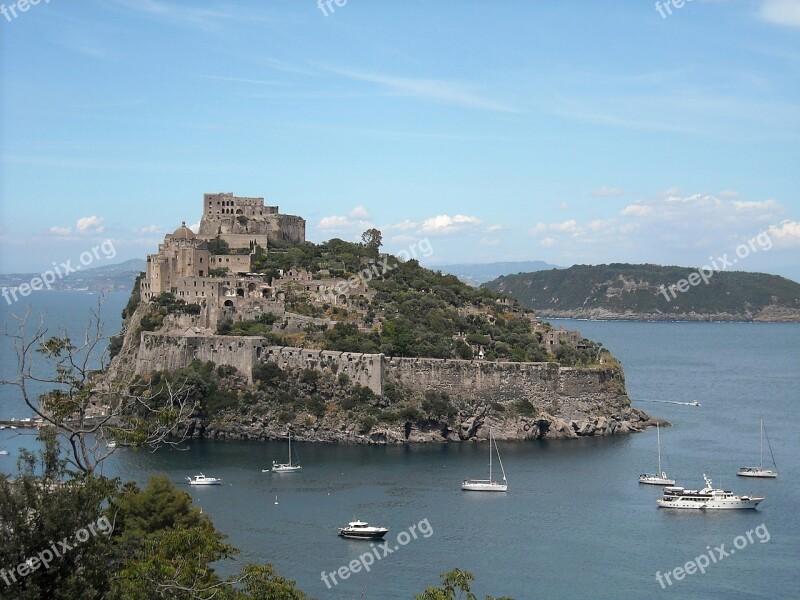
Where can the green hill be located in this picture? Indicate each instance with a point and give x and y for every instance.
(653, 292)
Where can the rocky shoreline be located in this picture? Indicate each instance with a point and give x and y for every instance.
(767, 315)
(465, 428)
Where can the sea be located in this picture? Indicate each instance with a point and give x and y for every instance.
(575, 522)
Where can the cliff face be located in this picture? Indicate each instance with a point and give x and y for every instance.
(521, 401)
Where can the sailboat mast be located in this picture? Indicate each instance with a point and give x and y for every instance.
(762, 444)
(658, 436)
(490, 454)
(290, 448)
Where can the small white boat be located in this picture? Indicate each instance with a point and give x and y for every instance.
(203, 480)
(760, 471)
(285, 467)
(708, 498)
(359, 530)
(112, 444)
(695, 403)
(660, 477)
(488, 485)
(3, 452)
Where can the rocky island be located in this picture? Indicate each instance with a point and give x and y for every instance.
(341, 342)
(654, 293)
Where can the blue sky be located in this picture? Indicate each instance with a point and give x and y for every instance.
(570, 132)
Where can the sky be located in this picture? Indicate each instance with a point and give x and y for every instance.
(573, 132)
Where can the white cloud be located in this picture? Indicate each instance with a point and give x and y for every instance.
(489, 242)
(786, 234)
(438, 90)
(60, 230)
(195, 227)
(781, 12)
(333, 222)
(607, 192)
(448, 224)
(356, 221)
(150, 229)
(548, 242)
(401, 226)
(93, 224)
(767, 205)
(636, 210)
(359, 212)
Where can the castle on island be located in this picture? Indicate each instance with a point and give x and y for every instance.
(212, 268)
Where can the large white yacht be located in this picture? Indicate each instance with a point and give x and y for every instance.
(707, 498)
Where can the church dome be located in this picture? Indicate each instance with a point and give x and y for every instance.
(183, 233)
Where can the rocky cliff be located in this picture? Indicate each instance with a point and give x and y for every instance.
(400, 399)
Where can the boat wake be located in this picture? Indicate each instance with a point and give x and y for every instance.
(694, 403)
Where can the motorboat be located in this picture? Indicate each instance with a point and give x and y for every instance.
(203, 480)
(359, 530)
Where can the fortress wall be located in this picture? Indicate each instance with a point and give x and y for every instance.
(473, 379)
(363, 369)
(574, 393)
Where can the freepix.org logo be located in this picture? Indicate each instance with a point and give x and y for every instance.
(13, 10)
(46, 279)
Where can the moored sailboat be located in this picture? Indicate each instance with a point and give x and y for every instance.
(760, 471)
(488, 485)
(285, 467)
(660, 477)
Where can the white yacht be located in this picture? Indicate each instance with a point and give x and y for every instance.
(760, 471)
(203, 480)
(285, 467)
(488, 485)
(708, 498)
(359, 530)
(660, 477)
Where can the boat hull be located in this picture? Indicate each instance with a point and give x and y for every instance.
(286, 469)
(205, 483)
(756, 472)
(480, 486)
(653, 480)
(363, 535)
(742, 504)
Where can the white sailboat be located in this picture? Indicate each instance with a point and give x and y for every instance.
(660, 477)
(760, 471)
(488, 485)
(285, 467)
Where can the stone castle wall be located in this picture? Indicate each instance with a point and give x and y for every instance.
(572, 392)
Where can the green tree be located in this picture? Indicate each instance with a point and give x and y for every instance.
(372, 239)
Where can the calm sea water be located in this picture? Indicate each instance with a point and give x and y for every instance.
(575, 522)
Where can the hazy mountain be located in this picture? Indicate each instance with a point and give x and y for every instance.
(475, 274)
(115, 277)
